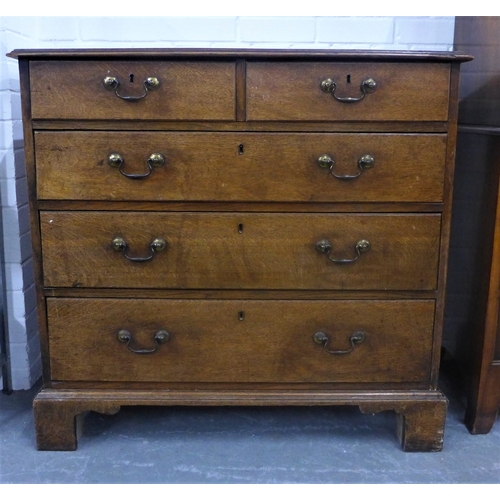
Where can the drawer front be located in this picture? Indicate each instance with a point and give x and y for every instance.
(240, 250)
(208, 166)
(187, 90)
(292, 91)
(208, 341)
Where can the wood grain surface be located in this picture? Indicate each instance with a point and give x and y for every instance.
(188, 90)
(291, 91)
(211, 166)
(240, 250)
(210, 342)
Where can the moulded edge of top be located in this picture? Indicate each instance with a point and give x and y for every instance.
(379, 55)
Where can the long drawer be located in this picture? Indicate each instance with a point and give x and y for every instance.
(208, 166)
(240, 341)
(187, 90)
(211, 250)
(398, 92)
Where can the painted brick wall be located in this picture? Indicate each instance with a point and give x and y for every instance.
(21, 311)
(384, 33)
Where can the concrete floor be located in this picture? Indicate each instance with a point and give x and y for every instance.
(179, 445)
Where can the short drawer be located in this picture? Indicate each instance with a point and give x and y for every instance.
(240, 341)
(213, 250)
(204, 166)
(293, 91)
(187, 90)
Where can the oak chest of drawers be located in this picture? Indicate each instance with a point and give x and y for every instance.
(242, 227)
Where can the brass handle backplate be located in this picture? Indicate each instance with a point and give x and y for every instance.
(368, 86)
(155, 160)
(323, 339)
(150, 83)
(160, 337)
(120, 245)
(364, 163)
(324, 246)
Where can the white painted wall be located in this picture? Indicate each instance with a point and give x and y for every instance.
(384, 33)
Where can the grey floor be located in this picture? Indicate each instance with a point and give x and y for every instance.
(161, 445)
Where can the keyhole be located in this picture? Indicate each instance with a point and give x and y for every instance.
(241, 315)
(240, 227)
(241, 149)
(131, 76)
(348, 78)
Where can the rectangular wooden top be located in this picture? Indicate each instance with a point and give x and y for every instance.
(287, 54)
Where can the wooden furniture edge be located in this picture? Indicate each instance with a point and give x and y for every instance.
(379, 55)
